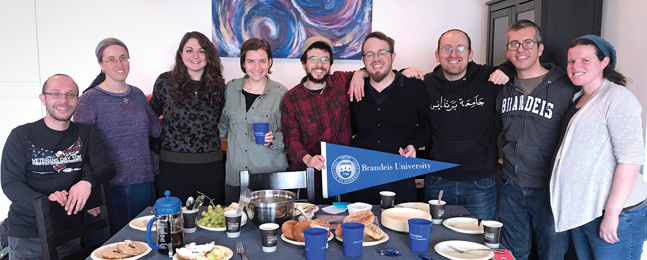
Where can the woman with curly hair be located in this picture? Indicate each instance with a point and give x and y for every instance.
(191, 98)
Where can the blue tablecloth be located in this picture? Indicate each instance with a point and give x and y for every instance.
(250, 236)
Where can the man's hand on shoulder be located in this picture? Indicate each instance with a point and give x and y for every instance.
(498, 77)
(413, 72)
(78, 196)
(59, 196)
(356, 88)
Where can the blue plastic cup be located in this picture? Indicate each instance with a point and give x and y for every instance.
(316, 240)
(260, 129)
(419, 230)
(353, 236)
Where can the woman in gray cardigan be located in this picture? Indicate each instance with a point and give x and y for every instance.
(597, 191)
(254, 98)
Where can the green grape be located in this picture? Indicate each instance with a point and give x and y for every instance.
(204, 213)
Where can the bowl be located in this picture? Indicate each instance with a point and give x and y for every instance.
(271, 206)
(352, 208)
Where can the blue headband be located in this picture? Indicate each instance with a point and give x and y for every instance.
(604, 46)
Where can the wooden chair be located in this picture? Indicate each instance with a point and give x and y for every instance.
(50, 239)
(280, 181)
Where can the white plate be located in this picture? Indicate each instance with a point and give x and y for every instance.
(463, 225)
(443, 249)
(141, 223)
(96, 254)
(368, 241)
(227, 256)
(397, 218)
(286, 239)
(243, 221)
(415, 205)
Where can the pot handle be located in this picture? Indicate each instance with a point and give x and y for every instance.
(149, 240)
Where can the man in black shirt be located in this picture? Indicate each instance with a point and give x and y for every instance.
(392, 117)
(44, 158)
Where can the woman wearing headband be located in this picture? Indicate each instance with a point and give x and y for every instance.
(121, 115)
(191, 98)
(254, 98)
(596, 190)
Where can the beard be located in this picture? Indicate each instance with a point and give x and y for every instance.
(317, 81)
(379, 76)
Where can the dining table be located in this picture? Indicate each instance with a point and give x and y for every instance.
(250, 236)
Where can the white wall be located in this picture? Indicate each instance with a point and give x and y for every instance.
(41, 38)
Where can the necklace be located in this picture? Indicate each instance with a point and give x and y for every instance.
(195, 89)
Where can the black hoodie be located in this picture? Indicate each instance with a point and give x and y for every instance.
(463, 124)
(531, 126)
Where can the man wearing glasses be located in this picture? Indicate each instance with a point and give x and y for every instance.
(463, 129)
(44, 158)
(392, 117)
(531, 107)
(316, 110)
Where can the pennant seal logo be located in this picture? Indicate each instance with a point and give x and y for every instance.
(345, 169)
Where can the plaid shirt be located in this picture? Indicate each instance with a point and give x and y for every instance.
(308, 118)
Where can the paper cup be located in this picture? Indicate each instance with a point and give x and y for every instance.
(492, 233)
(232, 223)
(269, 236)
(437, 211)
(189, 218)
(386, 199)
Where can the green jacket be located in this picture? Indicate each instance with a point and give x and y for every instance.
(238, 126)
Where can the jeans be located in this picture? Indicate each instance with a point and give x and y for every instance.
(632, 229)
(478, 197)
(524, 212)
(23, 248)
(130, 200)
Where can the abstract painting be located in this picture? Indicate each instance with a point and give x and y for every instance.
(286, 24)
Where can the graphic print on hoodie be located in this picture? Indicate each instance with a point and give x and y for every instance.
(531, 126)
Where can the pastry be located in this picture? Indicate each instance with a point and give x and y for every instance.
(298, 231)
(111, 252)
(130, 248)
(192, 251)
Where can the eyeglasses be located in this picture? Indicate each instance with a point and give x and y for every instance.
(449, 49)
(314, 59)
(369, 56)
(60, 95)
(122, 58)
(527, 45)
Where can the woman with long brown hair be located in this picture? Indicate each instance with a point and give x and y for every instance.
(191, 98)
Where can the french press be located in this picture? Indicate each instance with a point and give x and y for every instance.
(170, 229)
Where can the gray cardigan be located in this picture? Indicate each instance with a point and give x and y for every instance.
(237, 125)
(606, 131)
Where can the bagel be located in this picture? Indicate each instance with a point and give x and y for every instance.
(130, 248)
(111, 252)
(287, 228)
(373, 231)
(338, 231)
(297, 232)
(363, 216)
(192, 251)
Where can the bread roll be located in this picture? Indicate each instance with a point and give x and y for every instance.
(287, 228)
(373, 231)
(298, 229)
(363, 216)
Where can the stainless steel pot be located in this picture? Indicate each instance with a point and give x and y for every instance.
(271, 206)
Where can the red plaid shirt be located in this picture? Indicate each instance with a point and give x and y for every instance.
(308, 118)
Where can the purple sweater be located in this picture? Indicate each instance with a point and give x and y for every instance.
(124, 121)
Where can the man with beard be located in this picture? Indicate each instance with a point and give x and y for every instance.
(44, 158)
(463, 129)
(392, 117)
(316, 110)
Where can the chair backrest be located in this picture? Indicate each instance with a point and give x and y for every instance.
(50, 239)
(280, 181)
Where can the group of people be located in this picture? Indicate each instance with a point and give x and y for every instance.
(572, 141)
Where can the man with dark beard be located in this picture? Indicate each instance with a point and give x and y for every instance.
(392, 117)
(316, 110)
